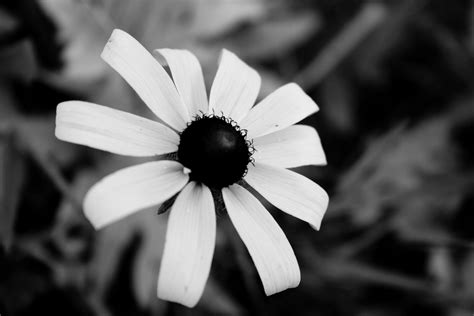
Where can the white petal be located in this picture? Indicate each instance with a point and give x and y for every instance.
(112, 130)
(284, 107)
(189, 246)
(188, 78)
(126, 191)
(290, 192)
(147, 77)
(267, 244)
(235, 87)
(295, 146)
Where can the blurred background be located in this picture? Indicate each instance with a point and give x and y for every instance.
(393, 80)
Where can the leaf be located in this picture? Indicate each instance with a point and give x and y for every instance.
(83, 38)
(84, 29)
(18, 62)
(407, 171)
(216, 18)
(11, 178)
(466, 275)
(338, 91)
(36, 134)
(271, 37)
(441, 267)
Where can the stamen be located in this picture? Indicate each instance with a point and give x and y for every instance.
(215, 150)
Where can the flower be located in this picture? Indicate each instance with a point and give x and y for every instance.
(219, 145)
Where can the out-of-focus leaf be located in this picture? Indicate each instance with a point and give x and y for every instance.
(270, 38)
(11, 178)
(18, 62)
(72, 233)
(441, 268)
(107, 244)
(23, 279)
(218, 301)
(154, 23)
(66, 247)
(8, 23)
(84, 29)
(83, 38)
(270, 82)
(11, 167)
(338, 92)
(466, 276)
(147, 262)
(396, 166)
(40, 30)
(341, 46)
(216, 18)
(394, 27)
(37, 134)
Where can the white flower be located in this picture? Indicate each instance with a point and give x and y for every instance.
(219, 144)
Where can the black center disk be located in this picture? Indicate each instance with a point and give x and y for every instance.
(215, 151)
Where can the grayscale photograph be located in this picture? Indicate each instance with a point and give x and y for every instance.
(236, 157)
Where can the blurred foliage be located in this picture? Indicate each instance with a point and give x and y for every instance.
(394, 83)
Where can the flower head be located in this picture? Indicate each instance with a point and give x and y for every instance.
(219, 145)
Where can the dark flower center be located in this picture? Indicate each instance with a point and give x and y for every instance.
(216, 151)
